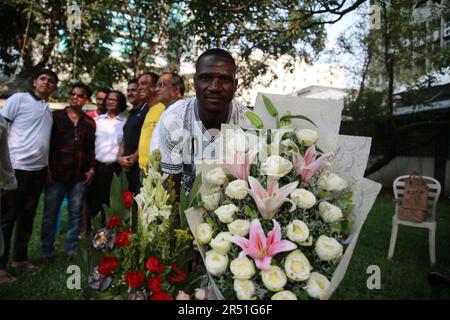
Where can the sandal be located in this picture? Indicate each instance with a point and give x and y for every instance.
(24, 265)
(6, 278)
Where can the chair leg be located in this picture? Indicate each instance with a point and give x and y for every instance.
(432, 245)
(393, 239)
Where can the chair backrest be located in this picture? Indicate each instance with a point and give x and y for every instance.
(434, 190)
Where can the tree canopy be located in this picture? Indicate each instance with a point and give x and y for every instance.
(119, 39)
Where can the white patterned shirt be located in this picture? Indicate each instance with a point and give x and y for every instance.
(183, 140)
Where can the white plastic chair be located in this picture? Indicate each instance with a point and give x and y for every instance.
(434, 190)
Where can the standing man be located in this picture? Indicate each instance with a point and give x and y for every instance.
(132, 93)
(100, 100)
(30, 126)
(148, 92)
(191, 125)
(71, 170)
(129, 152)
(7, 182)
(169, 89)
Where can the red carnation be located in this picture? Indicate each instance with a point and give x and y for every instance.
(134, 279)
(127, 199)
(154, 265)
(154, 284)
(122, 239)
(176, 274)
(107, 265)
(113, 222)
(161, 296)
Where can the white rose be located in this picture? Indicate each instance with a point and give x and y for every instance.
(284, 295)
(239, 227)
(211, 201)
(245, 289)
(203, 233)
(329, 213)
(297, 231)
(297, 266)
(216, 176)
(317, 285)
(215, 263)
(276, 167)
(225, 213)
(200, 294)
(274, 279)
(303, 198)
(240, 141)
(328, 248)
(221, 243)
(332, 182)
(307, 137)
(237, 189)
(242, 268)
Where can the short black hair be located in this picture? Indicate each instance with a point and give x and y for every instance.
(177, 81)
(104, 89)
(134, 80)
(122, 99)
(216, 52)
(47, 72)
(153, 75)
(86, 89)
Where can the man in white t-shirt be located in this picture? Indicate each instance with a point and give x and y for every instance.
(30, 122)
(189, 126)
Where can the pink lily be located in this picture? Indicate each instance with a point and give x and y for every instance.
(259, 247)
(240, 164)
(307, 166)
(268, 202)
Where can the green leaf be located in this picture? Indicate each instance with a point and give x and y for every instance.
(286, 123)
(347, 226)
(254, 119)
(284, 118)
(97, 223)
(117, 206)
(195, 189)
(270, 107)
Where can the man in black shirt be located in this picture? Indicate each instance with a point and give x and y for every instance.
(128, 153)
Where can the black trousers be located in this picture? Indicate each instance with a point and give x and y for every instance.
(21, 213)
(99, 190)
(134, 179)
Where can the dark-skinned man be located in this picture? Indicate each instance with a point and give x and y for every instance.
(190, 126)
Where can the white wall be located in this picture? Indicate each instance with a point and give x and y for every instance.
(405, 165)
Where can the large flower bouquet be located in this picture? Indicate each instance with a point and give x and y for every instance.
(148, 263)
(274, 220)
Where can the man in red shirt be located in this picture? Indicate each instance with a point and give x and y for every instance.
(71, 169)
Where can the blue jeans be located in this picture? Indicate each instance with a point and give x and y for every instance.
(54, 195)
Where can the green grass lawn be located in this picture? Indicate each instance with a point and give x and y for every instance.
(403, 277)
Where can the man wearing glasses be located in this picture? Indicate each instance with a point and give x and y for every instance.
(71, 169)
